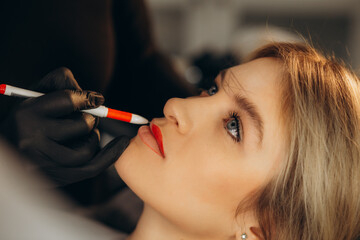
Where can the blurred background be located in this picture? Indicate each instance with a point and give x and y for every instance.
(108, 46)
(207, 35)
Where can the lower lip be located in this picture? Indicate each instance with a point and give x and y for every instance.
(149, 140)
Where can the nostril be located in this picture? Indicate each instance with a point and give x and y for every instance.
(174, 120)
(174, 112)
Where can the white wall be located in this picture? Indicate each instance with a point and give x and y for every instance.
(185, 27)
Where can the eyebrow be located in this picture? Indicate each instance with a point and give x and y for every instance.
(249, 107)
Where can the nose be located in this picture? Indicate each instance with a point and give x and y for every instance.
(178, 111)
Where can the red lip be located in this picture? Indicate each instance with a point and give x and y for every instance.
(158, 136)
(151, 137)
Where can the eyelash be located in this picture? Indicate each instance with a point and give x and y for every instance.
(237, 136)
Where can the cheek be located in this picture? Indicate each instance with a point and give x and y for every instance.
(220, 172)
(211, 173)
(222, 183)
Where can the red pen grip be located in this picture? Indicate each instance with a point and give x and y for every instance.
(119, 115)
(2, 88)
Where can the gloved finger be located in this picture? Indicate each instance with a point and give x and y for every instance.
(59, 79)
(62, 103)
(61, 155)
(86, 99)
(107, 156)
(78, 125)
(86, 147)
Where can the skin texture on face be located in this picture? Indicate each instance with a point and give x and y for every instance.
(205, 174)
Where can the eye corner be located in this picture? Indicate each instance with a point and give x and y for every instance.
(202, 92)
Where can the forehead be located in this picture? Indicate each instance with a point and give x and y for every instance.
(260, 75)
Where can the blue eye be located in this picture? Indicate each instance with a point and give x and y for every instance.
(232, 126)
(212, 90)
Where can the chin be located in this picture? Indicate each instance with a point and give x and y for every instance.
(126, 164)
(140, 168)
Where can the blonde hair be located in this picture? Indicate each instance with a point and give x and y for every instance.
(316, 195)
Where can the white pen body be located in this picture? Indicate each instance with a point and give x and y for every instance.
(101, 111)
(19, 92)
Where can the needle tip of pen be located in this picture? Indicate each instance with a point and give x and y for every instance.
(136, 119)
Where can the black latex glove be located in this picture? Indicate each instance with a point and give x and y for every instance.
(60, 140)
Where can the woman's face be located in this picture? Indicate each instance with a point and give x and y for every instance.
(219, 147)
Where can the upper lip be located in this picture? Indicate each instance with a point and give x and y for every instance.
(158, 137)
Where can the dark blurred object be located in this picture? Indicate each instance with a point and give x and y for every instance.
(122, 212)
(109, 47)
(144, 79)
(107, 44)
(211, 64)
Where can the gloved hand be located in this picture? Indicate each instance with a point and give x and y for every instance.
(60, 140)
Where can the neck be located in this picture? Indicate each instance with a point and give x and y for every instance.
(153, 226)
